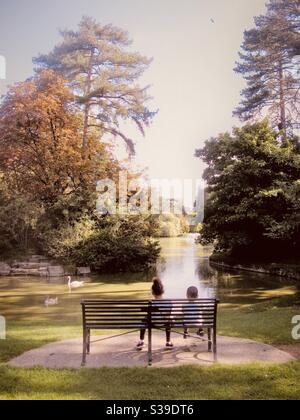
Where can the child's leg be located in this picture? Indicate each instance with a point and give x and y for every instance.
(201, 332)
(168, 334)
(169, 344)
(186, 333)
(142, 334)
(141, 343)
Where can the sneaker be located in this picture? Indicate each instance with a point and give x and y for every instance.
(201, 333)
(169, 346)
(140, 345)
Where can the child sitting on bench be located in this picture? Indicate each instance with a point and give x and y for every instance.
(193, 316)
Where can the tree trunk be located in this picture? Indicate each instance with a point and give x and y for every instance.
(283, 126)
(85, 142)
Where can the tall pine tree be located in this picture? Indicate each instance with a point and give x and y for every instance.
(290, 10)
(270, 68)
(103, 75)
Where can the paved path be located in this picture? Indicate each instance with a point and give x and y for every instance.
(120, 352)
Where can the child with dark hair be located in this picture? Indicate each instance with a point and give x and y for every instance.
(158, 318)
(193, 316)
(158, 289)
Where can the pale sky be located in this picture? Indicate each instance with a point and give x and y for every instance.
(192, 79)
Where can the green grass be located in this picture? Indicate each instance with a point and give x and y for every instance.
(272, 326)
(183, 383)
(22, 337)
(257, 312)
(264, 322)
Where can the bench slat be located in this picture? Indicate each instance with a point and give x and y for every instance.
(101, 314)
(127, 315)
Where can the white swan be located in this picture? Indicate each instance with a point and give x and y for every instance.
(74, 284)
(51, 302)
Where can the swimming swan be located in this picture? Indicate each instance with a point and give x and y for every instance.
(51, 302)
(74, 284)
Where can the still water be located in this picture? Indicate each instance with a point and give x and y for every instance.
(183, 264)
(187, 264)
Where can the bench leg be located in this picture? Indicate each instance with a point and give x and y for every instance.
(215, 345)
(149, 346)
(85, 347)
(89, 342)
(209, 340)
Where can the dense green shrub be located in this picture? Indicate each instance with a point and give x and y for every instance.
(172, 226)
(106, 244)
(196, 228)
(60, 243)
(69, 231)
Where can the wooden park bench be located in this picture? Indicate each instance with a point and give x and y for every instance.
(134, 315)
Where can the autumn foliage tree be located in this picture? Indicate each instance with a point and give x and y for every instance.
(55, 132)
(41, 141)
(103, 75)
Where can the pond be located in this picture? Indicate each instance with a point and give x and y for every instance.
(187, 264)
(183, 264)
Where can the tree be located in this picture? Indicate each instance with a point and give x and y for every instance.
(289, 10)
(269, 67)
(172, 226)
(18, 219)
(40, 142)
(254, 192)
(102, 74)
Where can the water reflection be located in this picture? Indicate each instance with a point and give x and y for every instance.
(187, 264)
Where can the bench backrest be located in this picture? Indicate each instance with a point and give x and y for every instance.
(137, 314)
(184, 313)
(113, 314)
